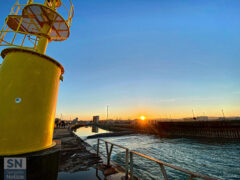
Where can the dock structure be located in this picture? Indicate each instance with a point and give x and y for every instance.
(227, 128)
(78, 156)
(205, 129)
(74, 155)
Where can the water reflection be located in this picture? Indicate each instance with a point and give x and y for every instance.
(95, 129)
(84, 132)
(91, 174)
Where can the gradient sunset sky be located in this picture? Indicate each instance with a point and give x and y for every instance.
(157, 58)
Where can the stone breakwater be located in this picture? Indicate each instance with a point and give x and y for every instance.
(209, 129)
(229, 129)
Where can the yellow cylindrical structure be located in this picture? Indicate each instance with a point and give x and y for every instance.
(42, 45)
(43, 41)
(29, 83)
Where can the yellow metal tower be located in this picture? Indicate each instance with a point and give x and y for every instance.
(29, 80)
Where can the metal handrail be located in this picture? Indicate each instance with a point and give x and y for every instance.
(110, 152)
(160, 163)
(113, 144)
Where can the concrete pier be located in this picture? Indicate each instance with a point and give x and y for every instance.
(77, 157)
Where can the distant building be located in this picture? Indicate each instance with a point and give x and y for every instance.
(95, 119)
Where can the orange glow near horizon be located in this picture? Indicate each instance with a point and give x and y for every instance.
(153, 113)
(142, 118)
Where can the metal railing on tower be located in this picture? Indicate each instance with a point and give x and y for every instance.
(30, 24)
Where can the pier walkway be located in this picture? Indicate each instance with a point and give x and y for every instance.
(77, 160)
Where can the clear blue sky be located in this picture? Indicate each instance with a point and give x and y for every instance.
(157, 58)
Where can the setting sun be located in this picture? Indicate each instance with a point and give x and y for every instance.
(142, 118)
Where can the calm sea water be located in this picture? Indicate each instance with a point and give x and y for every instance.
(210, 157)
(86, 131)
